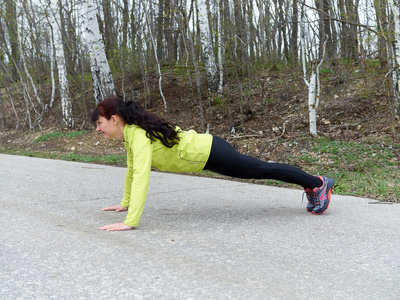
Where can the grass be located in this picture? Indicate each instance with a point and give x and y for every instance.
(359, 169)
(54, 135)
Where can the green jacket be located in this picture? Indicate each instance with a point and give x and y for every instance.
(190, 155)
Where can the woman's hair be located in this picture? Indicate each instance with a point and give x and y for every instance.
(132, 113)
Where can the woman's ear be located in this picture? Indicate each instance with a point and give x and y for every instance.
(114, 119)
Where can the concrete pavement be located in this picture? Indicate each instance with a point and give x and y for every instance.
(199, 238)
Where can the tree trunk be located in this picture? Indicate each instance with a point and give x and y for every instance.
(312, 111)
(103, 83)
(62, 18)
(353, 41)
(313, 84)
(11, 22)
(30, 79)
(125, 22)
(381, 21)
(261, 30)
(345, 32)
(333, 55)
(282, 43)
(221, 51)
(169, 32)
(294, 47)
(108, 29)
(190, 47)
(2, 113)
(395, 5)
(66, 104)
(207, 48)
(159, 31)
(158, 67)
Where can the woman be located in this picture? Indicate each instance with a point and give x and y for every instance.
(151, 141)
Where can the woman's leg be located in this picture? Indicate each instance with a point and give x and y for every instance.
(225, 160)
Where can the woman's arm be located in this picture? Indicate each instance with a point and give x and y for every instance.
(139, 158)
(128, 176)
(142, 153)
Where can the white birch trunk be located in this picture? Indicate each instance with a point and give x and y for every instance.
(2, 116)
(313, 84)
(103, 83)
(66, 104)
(312, 108)
(52, 63)
(220, 53)
(395, 5)
(207, 48)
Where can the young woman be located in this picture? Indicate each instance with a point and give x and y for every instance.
(151, 141)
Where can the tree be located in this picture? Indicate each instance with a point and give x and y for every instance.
(25, 83)
(158, 68)
(207, 47)
(381, 20)
(107, 29)
(11, 21)
(294, 47)
(102, 80)
(59, 56)
(313, 83)
(2, 113)
(325, 33)
(395, 5)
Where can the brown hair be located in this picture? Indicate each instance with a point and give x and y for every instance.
(132, 113)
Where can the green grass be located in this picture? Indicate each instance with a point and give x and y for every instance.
(360, 169)
(54, 135)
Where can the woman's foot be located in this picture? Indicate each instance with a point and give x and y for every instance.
(320, 197)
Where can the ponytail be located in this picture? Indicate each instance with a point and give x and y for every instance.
(132, 113)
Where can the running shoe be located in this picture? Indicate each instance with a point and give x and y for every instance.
(320, 197)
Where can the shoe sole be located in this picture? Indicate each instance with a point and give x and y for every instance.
(330, 188)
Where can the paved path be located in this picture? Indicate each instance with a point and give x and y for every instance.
(199, 238)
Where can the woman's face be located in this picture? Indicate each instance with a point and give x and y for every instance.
(107, 127)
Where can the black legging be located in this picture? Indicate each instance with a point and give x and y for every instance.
(225, 160)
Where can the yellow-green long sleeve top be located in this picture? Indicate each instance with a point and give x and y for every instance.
(189, 155)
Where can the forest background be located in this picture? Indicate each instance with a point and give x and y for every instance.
(310, 83)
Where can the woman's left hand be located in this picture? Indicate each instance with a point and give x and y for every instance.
(116, 227)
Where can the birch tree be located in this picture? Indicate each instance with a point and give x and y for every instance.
(59, 57)
(207, 48)
(395, 5)
(313, 84)
(2, 114)
(102, 80)
(221, 50)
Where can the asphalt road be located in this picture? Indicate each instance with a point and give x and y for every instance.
(199, 238)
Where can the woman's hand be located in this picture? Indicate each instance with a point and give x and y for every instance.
(116, 208)
(116, 227)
